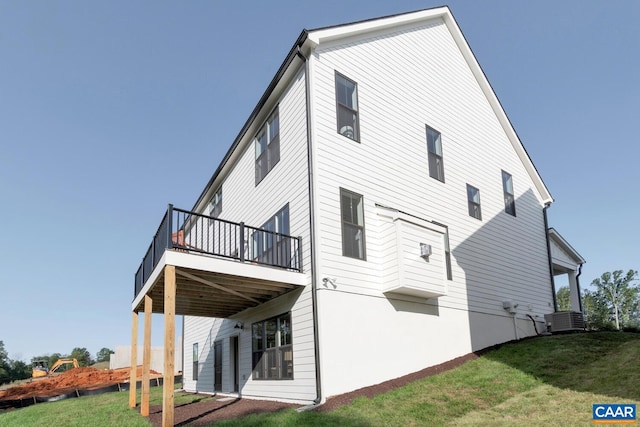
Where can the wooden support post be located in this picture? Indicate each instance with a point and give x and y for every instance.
(133, 376)
(169, 345)
(146, 357)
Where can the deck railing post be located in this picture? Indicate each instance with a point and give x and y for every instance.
(299, 238)
(242, 241)
(169, 226)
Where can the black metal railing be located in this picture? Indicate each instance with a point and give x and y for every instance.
(187, 231)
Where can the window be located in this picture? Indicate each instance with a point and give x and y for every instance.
(473, 196)
(272, 349)
(270, 245)
(352, 224)
(267, 146)
(507, 188)
(434, 147)
(347, 107)
(215, 205)
(195, 362)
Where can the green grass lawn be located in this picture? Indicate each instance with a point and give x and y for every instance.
(108, 409)
(543, 381)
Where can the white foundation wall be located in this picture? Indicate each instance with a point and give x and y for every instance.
(366, 340)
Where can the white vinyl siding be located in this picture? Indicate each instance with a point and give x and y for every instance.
(243, 201)
(406, 78)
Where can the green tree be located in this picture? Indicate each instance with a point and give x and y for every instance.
(596, 311)
(103, 355)
(563, 298)
(19, 370)
(620, 294)
(5, 374)
(82, 355)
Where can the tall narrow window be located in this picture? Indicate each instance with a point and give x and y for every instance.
(272, 349)
(215, 205)
(267, 143)
(473, 197)
(509, 199)
(347, 107)
(195, 362)
(351, 207)
(434, 147)
(271, 243)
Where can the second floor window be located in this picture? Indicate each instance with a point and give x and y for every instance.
(352, 224)
(507, 189)
(434, 146)
(271, 243)
(215, 205)
(347, 107)
(267, 143)
(473, 198)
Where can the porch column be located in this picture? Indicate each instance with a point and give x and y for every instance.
(573, 291)
(169, 345)
(146, 357)
(133, 375)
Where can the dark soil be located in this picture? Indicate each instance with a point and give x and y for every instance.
(208, 412)
(205, 413)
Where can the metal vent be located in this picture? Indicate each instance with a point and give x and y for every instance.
(565, 321)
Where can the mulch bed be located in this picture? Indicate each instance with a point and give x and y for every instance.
(205, 413)
(210, 411)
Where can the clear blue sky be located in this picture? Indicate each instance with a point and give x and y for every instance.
(111, 110)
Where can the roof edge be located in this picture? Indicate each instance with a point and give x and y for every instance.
(496, 105)
(560, 241)
(256, 110)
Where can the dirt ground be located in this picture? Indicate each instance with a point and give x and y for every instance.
(78, 378)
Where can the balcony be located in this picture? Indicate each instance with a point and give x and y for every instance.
(222, 267)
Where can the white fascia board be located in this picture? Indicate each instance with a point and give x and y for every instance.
(222, 266)
(361, 28)
(565, 246)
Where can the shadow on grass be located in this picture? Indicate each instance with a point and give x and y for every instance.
(604, 363)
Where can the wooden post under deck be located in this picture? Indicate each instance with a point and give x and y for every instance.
(169, 345)
(146, 357)
(133, 376)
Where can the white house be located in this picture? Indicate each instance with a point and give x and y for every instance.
(418, 222)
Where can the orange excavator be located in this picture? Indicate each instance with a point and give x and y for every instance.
(40, 367)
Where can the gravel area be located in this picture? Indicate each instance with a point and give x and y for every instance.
(205, 413)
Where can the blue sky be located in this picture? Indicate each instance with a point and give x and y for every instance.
(111, 110)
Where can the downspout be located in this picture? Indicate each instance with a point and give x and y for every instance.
(182, 355)
(314, 287)
(546, 234)
(578, 287)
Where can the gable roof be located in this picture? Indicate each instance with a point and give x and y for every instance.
(310, 39)
(557, 239)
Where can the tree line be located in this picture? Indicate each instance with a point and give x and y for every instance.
(13, 370)
(614, 303)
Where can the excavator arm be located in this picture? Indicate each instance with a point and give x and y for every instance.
(61, 362)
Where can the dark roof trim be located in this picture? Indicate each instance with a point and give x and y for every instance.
(265, 96)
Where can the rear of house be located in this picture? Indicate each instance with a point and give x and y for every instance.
(389, 219)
